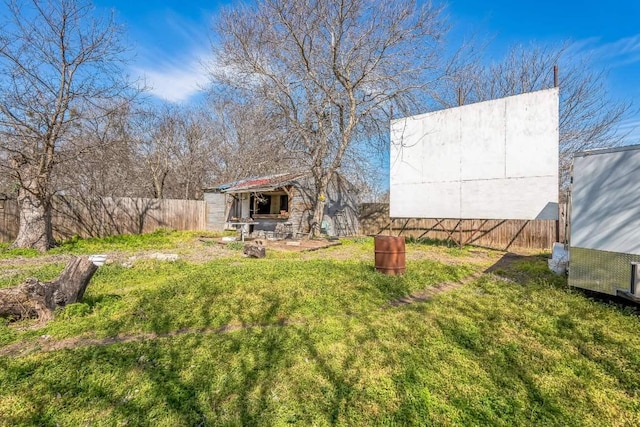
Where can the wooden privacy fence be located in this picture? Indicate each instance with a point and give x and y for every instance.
(497, 234)
(98, 217)
(8, 219)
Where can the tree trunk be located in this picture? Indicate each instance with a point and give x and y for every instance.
(318, 214)
(35, 229)
(34, 298)
(321, 184)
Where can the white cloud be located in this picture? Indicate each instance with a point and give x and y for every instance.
(175, 81)
(171, 54)
(620, 52)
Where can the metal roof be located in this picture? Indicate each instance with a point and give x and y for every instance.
(594, 151)
(263, 183)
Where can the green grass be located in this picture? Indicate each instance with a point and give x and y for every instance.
(160, 239)
(309, 339)
(7, 252)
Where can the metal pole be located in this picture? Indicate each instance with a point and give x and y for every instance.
(459, 96)
(555, 84)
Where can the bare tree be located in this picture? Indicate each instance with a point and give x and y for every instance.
(246, 141)
(174, 145)
(104, 168)
(328, 72)
(60, 65)
(589, 117)
(156, 134)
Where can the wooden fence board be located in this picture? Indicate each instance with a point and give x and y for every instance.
(109, 216)
(8, 220)
(101, 217)
(498, 234)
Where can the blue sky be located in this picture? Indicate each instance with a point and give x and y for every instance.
(171, 38)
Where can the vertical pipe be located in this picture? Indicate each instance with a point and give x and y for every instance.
(390, 118)
(460, 222)
(555, 84)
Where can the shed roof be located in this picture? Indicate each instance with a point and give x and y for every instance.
(257, 184)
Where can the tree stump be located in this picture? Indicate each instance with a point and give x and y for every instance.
(34, 298)
(254, 251)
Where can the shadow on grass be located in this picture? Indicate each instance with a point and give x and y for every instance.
(506, 385)
(271, 371)
(100, 299)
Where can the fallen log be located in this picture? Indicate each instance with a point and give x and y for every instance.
(34, 298)
(254, 251)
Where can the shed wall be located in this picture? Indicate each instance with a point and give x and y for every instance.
(216, 209)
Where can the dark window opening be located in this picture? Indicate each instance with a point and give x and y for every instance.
(263, 205)
(270, 204)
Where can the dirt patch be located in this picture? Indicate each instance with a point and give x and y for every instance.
(7, 263)
(303, 245)
(430, 292)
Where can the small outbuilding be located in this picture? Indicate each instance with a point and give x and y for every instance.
(281, 206)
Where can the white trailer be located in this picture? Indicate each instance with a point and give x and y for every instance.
(604, 242)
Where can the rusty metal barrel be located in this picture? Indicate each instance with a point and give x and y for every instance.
(390, 258)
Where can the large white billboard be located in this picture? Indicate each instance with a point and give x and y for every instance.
(491, 160)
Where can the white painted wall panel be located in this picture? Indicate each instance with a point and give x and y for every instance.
(440, 159)
(605, 201)
(501, 155)
(424, 151)
(481, 196)
(409, 160)
(532, 134)
(246, 206)
(425, 200)
(482, 141)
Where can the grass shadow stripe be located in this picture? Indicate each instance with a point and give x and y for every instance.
(44, 344)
